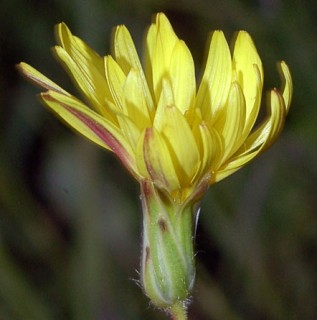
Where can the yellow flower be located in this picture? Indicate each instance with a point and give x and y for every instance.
(175, 137)
(161, 125)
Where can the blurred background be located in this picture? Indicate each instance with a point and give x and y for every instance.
(70, 217)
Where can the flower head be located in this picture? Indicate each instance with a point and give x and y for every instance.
(157, 120)
(174, 136)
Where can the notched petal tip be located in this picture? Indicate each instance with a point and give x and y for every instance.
(164, 28)
(119, 35)
(61, 31)
(160, 17)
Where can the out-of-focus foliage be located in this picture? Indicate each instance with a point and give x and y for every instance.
(70, 219)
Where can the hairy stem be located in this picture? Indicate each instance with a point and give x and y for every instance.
(178, 312)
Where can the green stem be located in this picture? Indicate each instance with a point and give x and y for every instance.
(178, 312)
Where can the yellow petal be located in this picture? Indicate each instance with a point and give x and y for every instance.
(39, 79)
(78, 49)
(84, 65)
(91, 125)
(160, 43)
(149, 44)
(287, 84)
(210, 148)
(158, 161)
(215, 83)
(91, 84)
(116, 79)
(135, 100)
(166, 99)
(182, 75)
(127, 57)
(251, 115)
(232, 122)
(175, 130)
(260, 139)
(129, 129)
(270, 129)
(248, 70)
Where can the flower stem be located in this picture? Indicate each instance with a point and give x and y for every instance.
(178, 312)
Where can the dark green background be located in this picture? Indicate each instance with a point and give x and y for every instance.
(70, 217)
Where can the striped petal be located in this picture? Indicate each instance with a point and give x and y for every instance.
(135, 100)
(158, 161)
(182, 76)
(39, 79)
(231, 123)
(115, 79)
(287, 84)
(270, 129)
(260, 139)
(84, 65)
(248, 72)
(91, 125)
(178, 136)
(127, 57)
(129, 129)
(210, 148)
(78, 49)
(215, 83)
(160, 43)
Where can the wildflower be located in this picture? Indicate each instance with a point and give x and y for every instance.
(175, 138)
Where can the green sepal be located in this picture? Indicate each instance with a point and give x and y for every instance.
(168, 266)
